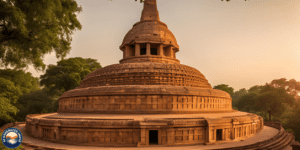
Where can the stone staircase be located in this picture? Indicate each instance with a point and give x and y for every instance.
(278, 142)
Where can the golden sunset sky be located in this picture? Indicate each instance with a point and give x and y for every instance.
(238, 43)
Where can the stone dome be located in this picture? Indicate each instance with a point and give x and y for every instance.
(145, 74)
(150, 31)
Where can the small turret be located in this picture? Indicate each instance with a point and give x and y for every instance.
(150, 40)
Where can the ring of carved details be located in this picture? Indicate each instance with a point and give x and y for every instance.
(151, 58)
(145, 99)
(145, 74)
(130, 132)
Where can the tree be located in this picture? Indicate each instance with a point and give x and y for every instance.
(291, 86)
(35, 102)
(67, 74)
(29, 29)
(294, 122)
(236, 95)
(246, 102)
(266, 99)
(9, 95)
(25, 81)
(226, 88)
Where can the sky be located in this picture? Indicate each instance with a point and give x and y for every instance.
(239, 43)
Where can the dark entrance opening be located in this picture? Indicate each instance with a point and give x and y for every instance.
(219, 134)
(153, 51)
(153, 137)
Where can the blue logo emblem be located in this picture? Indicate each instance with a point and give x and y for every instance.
(11, 138)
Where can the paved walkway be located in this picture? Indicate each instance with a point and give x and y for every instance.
(138, 116)
(266, 133)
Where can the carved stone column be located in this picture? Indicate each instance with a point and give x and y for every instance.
(40, 131)
(143, 138)
(57, 131)
(137, 49)
(148, 49)
(160, 51)
(170, 136)
(126, 51)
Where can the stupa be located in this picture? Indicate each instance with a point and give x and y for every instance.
(147, 99)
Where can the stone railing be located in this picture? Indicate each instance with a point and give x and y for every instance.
(10, 125)
(276, 125)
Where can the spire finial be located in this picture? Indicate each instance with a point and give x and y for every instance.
(150, 11)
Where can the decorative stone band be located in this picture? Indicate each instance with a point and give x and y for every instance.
(130, 132)
(145, 74)
(145, 99)
(154, 59)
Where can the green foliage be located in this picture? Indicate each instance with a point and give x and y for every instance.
(246, 102)
(2, 147)
(293, 122)
(236, 95)
(291, 86)
(9, 95)
(29, 29)
(67, 74)
(226, 88)
(25, 81)
(36, 102)
(266, 99)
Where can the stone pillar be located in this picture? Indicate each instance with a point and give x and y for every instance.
(84, 136)
(40, 131)
(126, 51)
(160, 51)
(170, 136)
(215, 134)
(143, 137)
(223, 134)
(191, 135)
(159, 137)
(57, 130)
(148, 49)
(207, 134)
(174, 54)
(137, 49)
(233, 133)
(170, 51)
(124, 54)
(56, 133)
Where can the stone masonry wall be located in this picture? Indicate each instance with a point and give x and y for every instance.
(145, 103)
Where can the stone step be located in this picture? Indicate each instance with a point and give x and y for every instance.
(274, 141)
(279, 143)
(285, 142)
(281, 139)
